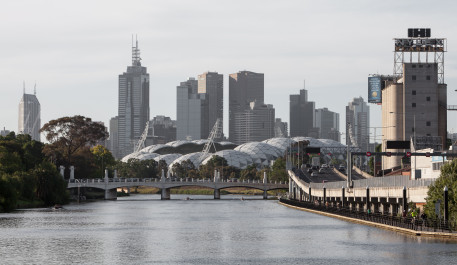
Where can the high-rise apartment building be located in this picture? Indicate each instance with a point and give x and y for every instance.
(301, 115)
(4, 132)
(358, 124)
(211, 88)
(133, 108)
(244, 88)
(30, 116)
(255, 124)
(190, 108)
(328, 123)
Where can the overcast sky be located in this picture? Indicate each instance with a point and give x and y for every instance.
(75, 50)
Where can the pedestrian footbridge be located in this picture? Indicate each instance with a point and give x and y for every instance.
(110, 185)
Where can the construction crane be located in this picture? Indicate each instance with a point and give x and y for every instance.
(140, 144)
(215, 133)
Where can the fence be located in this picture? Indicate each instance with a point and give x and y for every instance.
(416, 224)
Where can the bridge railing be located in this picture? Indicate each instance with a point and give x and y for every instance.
(391, 181)
(168, 180)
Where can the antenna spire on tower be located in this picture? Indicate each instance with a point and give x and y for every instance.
(34, 89)
(23, 86)
(136, 59)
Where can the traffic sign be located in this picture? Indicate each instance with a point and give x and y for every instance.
(427, 154)
(388, 154)
(408, 154)
(368, 153)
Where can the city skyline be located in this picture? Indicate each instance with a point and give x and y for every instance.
(75, 63)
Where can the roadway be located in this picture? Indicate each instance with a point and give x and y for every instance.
(328, 175)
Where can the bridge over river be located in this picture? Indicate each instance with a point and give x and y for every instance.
(110, 185)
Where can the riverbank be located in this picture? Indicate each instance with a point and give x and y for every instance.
(412, 232)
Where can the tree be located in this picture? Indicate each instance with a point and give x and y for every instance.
(435, 192)
(103, 158)
(67, 135)
(8, 195)
(51, 188)
(250, 172)
(278, 170)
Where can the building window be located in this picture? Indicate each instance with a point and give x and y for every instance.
(414, 105)
(420, 65)
(428, 123)
(414, 77)
(414, 66)
(412, 129)
(428, 77)
(414, 92)
(428, 98)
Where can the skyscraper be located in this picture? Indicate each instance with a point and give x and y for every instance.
(113, 145)
(133, 108)
(255, 124)
(29, 115)
(328, 123)
(302, 115)
(190, 108)
(211, 88)
(244, 88)
(281, 128)
(358, 123)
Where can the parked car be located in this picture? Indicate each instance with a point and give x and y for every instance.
(310, 170)
(324, 166)
(321, 170)
(314, 174)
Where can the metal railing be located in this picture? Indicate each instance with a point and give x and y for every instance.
(143, 180)
(407, 222)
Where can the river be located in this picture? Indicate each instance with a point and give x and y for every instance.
(142, 229)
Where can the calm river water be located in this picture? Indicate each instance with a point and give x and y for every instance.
(142, 229)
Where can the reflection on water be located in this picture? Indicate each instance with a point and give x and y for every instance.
(142, 229)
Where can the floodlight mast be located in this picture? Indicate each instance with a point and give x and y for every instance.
(140, 144)
(215, 133)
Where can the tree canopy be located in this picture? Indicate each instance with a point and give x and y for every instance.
(25, 174)
(447, 178)
(70, 139)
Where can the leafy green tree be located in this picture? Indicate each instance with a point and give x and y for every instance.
(250, 172)
(67, 135)
(214, 163)
(182, 170)
(447, 178)
(278, 171)
(8, 195)
(162, 165)
(51, 188)
(103, 158)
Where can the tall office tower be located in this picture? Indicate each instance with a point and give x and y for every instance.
(30, 115)
(328, 123)
(255, 124)
(114, 137)
(133, 108)
(244, 87)
(414, 101)
(190, 107)
(301, 115)
(280, 128)
(211, 87)
(358, 124)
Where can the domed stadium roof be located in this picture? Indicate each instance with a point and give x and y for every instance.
(152, 148)
(261, 153)
(281, 143)
(226, 143)
(178, 143)
(141, 155)
(169, 158)
(196, 159)
(234, 158)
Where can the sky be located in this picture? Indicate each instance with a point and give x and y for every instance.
(75, 50)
